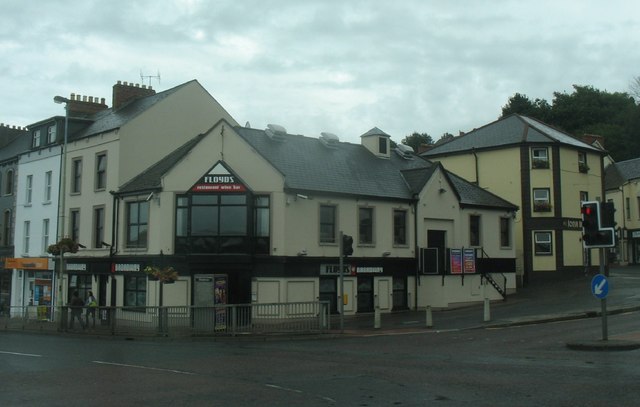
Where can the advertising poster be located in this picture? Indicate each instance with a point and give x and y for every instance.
(220, 297)
(469, 261)
(456, 261)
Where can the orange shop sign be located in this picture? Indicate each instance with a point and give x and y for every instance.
(28, 263)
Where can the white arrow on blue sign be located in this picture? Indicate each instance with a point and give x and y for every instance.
(600, 286)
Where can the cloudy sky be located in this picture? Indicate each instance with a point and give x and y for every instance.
(338, 66)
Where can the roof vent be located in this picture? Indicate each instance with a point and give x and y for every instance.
(405, 151)
(330, 140)
(276, 132)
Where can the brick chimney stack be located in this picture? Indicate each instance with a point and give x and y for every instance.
(83, 106)
(126, 92)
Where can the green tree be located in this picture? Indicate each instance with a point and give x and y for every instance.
(415, 139)
(587, 110)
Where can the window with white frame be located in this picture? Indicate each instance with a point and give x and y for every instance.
(48, 179)
(26, 237)
(45, 235)
(399, 227)
(28, 190)
(98, 226)
(539, 157)
(8, 183)
(328, 223)
(101, 171)
(542, 243)
(474, 230)
(541, 200)
(76, 175)
(365, 226)
(74, 223)
(51, 134)
(36, 139)
(505, 232)
(582, 162)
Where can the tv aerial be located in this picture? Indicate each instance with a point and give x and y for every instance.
(149, 77)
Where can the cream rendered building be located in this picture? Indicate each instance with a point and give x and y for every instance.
(116, 144)
(256, 214)
(547, 173)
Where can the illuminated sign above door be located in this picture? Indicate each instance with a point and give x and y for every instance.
(219, 179)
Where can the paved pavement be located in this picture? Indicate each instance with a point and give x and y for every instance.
(543, 300)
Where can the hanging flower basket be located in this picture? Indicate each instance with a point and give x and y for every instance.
(64, 245)
(167, 275)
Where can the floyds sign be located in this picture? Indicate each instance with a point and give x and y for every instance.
(219, 179)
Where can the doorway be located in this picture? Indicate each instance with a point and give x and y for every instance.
(365, 294)
(438, 239)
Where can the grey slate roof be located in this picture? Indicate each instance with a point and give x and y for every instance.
(617, 174)
(350, 169)
(511, 130)
(109, 119)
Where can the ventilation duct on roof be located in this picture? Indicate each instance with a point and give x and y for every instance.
(276, 132)
(405, 151)
(330, 140)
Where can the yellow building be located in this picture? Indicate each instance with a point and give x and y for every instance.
(544, 171)
(622, 184)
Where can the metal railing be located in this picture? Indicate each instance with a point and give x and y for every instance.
(219, 320)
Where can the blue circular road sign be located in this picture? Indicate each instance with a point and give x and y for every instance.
(600, 286)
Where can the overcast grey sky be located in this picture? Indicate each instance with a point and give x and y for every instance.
(312, 66)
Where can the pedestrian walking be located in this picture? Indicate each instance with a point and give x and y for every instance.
(76, 304)
(91, 305)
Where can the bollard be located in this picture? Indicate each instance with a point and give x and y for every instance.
(376, 318)
(487, 310)
(429, 317)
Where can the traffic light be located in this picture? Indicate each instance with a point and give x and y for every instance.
(347, 245)
(594, 233)
(607, 212)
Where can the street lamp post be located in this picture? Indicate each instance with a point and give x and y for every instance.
(62, 193)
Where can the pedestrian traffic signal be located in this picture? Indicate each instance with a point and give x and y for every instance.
(347, 245)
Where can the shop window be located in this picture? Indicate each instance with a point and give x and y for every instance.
(539, 157)
(261, 221)
(365, 226)
(137, 224)
(327, 224)
(135, 292)
(213, 223)
(542, 242)
(80, 283)
(399, 227)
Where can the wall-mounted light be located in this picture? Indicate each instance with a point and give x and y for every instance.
(302, 252)
(442, 190)
(386, 254)
(300, 196)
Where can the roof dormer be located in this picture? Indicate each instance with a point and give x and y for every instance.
(377, 141)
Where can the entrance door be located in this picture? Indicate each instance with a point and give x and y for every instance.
(438, 239)
(365, 294)
(399, 293)
(329, 292)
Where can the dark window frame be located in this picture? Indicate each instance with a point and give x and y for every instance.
(137, 224)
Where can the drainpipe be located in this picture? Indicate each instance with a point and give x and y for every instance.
(475, 157)
(417, 252)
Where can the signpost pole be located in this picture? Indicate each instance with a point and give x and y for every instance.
(603, 301)
(341, 300)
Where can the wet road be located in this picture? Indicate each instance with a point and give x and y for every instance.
(513, 366)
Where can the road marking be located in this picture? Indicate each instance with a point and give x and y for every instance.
(275, 386)
(21, 354)
(142, 367)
